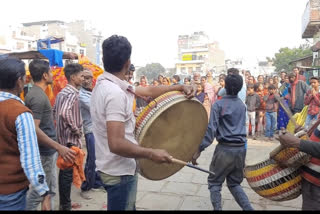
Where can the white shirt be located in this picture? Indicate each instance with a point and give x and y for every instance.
(110, 101)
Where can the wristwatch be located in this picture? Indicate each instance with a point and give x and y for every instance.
(47, 193)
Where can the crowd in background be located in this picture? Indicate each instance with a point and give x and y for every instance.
(265, 97)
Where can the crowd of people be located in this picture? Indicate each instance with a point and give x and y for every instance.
(262, 96)
(36, 138)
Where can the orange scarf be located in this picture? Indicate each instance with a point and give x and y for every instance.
(77, 165)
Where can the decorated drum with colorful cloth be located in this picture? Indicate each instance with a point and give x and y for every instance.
(269, 180)
(290, 157)
(173, 123)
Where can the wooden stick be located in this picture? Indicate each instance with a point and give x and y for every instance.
(298, 134)
(290, 115)
(191, 166)
(287, 110)
(179, 161)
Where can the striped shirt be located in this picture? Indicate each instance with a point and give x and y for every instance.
(66, 112)
(28, 147)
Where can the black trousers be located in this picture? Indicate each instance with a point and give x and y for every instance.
(310, 196)
(65, 182)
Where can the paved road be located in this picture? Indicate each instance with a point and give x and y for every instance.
(187, 189)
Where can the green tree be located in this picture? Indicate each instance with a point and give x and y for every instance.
(151, 71)
(171, 72)
(286, 55)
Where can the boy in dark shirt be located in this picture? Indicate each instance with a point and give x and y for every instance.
(227, 125)
(253, 103)
(271, 111)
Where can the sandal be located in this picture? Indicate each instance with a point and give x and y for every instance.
(75, 205)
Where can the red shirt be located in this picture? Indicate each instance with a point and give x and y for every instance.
(262, 102)
(313, 102)
(302, 78)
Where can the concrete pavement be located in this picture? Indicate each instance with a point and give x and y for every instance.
(187, 189)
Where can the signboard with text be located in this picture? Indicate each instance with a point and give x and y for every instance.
(186, 57)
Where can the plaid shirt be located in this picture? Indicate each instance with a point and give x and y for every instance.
(313, 102)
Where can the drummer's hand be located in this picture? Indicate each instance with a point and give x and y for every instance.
(189, 91)
(160, 156)
(195, 157)
(288, 140)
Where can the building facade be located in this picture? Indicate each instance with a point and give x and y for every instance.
(311, 28)
(197, 54)
(79, 37)
(15, 39)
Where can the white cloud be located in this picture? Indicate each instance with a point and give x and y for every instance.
(244, 28)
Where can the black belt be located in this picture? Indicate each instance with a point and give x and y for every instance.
(233, 144)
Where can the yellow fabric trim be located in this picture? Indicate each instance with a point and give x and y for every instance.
(280, 187)
(142, 113)
(260, 171)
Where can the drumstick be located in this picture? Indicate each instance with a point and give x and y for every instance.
(289, 113)
(287, 110)
(190, 165)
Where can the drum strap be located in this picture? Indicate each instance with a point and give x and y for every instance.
(313, 127)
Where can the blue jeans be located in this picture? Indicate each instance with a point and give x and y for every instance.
(122, 191)
(271, 118)
(309, 119)
(228, 163)
(14, 201)
(93, 179)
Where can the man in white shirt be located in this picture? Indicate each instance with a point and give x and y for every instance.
(114, 123)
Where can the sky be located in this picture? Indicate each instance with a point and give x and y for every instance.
(247, 29)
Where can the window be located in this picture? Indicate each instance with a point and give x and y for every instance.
(183, 70)
(190, 70)
(81, 51)
(20, 45)
(198, 69)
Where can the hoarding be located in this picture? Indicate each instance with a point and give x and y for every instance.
(186, 57)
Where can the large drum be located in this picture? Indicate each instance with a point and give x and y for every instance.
(174, 123)
(271, 181)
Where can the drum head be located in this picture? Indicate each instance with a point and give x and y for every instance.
(179, 130)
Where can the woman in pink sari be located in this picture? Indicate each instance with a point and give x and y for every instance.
(208, 89)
